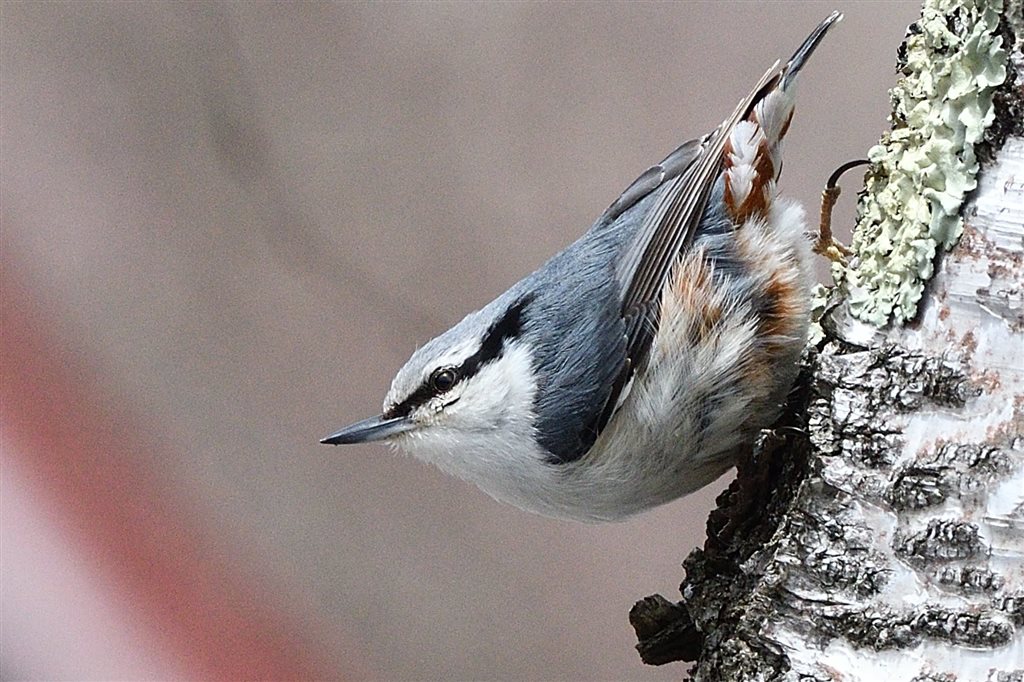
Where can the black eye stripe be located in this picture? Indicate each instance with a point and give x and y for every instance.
(422, 394)
(509, 326)
(506, 328)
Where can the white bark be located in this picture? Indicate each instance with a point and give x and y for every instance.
(921, 441)
(879, 533)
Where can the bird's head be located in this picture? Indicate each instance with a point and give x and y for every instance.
(468, 393)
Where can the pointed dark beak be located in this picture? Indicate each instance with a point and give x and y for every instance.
(374, 428)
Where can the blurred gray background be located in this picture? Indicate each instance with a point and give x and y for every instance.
(244, 216)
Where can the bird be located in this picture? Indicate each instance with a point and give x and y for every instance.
(640, 363)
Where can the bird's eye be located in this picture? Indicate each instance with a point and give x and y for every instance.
(443, 379)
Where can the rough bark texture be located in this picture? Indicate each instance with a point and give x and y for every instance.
(878, 533)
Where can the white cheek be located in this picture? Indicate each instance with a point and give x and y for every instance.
(500, 396)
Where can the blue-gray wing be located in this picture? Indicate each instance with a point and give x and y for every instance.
(673, 166)
(687, 177)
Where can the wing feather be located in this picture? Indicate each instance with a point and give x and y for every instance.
(667, 230)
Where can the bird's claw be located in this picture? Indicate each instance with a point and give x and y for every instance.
(827, 245)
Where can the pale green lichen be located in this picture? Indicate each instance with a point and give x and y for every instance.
(819, 301)
(923, 168)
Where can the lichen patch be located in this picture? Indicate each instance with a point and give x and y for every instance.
(922, 169)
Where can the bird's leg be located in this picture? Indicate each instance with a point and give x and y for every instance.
(826, 245)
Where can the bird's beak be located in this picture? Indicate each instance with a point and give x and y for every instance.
(374, 428)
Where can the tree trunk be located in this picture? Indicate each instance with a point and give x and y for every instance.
(878, 530)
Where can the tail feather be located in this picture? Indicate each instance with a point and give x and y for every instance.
(800, 57)
(752, 152)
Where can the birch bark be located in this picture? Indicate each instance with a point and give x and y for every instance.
(878, 531)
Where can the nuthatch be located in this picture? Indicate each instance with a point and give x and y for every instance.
(638, 364)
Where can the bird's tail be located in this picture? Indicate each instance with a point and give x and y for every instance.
(752, 153)
(799, 58)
